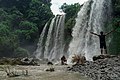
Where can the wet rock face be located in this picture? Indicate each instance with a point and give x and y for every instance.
(101, 69)
(49, 63)
(50, 69)
(102, 57)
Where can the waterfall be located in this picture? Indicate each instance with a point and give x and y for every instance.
(40, 48)
(49, 43)
(53, 48)
(92, 17)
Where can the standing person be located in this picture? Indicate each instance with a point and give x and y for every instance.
(102, 40)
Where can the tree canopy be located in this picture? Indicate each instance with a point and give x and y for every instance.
(21, 21)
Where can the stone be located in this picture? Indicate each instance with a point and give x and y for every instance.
(105, 67)
(49, 63)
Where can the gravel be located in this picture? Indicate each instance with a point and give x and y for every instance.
(101, 69)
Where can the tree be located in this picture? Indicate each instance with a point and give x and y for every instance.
(8, 41)
(27, 31)
(39, 13)
(21, 22)
(114, 47)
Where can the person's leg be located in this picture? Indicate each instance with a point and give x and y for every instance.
(101, 51)
(105, 51)
(101, 48)
(105, 48)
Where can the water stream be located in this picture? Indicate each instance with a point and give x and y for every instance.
(92, 17)
(54, 46)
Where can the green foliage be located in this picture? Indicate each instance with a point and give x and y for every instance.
(21, 22)
(27, 30)
(115, 41)
(20, 52)
(21, 5)
(70, 10)
(8, 41)
(39, 13)
(116, 8)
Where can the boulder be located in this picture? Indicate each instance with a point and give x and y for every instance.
(102, 57)
(50, 69)
(49, 63)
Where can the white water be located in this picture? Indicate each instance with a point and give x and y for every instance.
(91, 18)
(40, 47)
(49, 42)
(54, 41)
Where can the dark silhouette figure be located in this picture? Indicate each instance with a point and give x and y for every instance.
(63, 60)
(102, 40)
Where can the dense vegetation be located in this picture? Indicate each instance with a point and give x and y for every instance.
(21, 22)
(115, 42)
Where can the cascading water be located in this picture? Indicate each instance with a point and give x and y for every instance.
(57, 49)
(92, 17)
(40, 48)
(53, 48)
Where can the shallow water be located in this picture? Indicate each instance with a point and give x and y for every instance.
(39, 73)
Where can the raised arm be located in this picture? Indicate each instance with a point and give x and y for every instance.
(117, 24)
(94, 33)
(111, 31)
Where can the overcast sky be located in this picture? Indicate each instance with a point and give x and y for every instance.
(57, 3)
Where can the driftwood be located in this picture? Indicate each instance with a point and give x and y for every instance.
(50, 69)
(78, 59)
(11, 72)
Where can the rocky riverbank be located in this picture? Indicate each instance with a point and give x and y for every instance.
(101, 69)
(18, 61)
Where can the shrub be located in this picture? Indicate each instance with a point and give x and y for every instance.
(21, 52)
